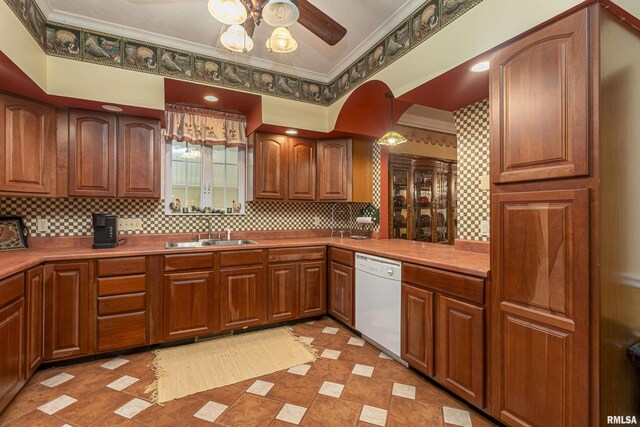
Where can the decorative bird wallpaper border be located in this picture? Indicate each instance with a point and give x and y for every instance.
(107, 49)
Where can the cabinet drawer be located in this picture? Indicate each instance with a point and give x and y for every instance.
(122, 266)
(234, 258)
(188, 262)
(459, 285)
(342, 256)
(11, 288)
(119, 304)
(296, 254)
(121, 285)
(122, 331)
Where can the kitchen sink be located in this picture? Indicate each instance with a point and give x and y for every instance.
(208, 242)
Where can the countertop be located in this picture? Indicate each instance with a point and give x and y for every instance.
(428, 254)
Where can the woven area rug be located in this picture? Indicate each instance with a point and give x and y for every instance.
(185, 370)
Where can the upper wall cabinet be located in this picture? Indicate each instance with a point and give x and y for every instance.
(539, 105)
(92, 154)
(308, 170)
(138, 157)
(113, 156)
(27, 147)
(271, 167)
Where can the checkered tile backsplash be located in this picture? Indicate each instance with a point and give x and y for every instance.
(72, 216)
(472, 124)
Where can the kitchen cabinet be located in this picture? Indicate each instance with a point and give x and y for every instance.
(121, 318)
(34, 296)
(12, 338)
(68, 319)
(334, 169)
(27, 147)
(139, 157)
(296, 283)
(271, 167)
(92, 154)
(460, 358)
(341, 286)
(190, 296)
(302, 169)
(242, 297)
(417, 326)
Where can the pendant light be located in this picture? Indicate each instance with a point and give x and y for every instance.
(229, 12)
(391, 137)
(280, 13)
(236, 39)
(281, 41)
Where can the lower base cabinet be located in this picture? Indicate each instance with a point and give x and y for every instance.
(296, 290)
(34, 297)
(341, 293)
(242, 297)
(12, 347)
(417, 341)
(68, 319)
(313, 290)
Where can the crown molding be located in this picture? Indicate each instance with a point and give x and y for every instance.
(427, 123)
(400, 15)
(99, 25)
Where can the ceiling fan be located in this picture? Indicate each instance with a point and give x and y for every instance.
(273, 12)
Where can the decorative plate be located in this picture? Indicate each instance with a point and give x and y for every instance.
(13, 233)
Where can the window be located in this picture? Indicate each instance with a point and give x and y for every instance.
(205, 179)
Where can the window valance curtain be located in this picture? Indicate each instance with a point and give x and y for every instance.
(205, 127)
(427, 136)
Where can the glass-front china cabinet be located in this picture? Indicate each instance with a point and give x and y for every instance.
(423, 199)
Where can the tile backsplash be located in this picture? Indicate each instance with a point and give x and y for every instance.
(472, 125)
(72, 216)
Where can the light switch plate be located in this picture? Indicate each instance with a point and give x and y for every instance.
(484, 228)
(42, 225)
(316, 221)
(484, 182)
(129, 224)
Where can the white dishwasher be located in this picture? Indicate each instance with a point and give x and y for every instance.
(378, 300)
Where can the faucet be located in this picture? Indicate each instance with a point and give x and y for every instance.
(228, 231)
(210, 224)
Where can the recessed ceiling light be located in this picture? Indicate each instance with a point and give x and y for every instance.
(291, 132)
(211, 98)
(480, 67)
(112, 108)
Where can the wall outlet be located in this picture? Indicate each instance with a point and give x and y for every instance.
(42, 225)
(484, 182)
(316, 221)
(484, 228)
(129, 224)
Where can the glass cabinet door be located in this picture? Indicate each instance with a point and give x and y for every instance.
(400, 202)
(422, 205)
(441, 207)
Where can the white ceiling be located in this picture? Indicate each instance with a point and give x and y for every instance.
(428, 118)
(187, 24)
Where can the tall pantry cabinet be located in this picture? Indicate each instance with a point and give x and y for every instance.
(563, 152)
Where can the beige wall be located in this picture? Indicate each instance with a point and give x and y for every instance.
(619, 222)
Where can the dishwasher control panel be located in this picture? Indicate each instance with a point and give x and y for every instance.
(381, 267)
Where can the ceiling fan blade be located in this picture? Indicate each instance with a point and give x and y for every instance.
(319, 23)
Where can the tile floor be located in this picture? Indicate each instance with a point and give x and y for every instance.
(351, 385)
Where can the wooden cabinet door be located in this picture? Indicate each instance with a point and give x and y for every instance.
(189, 305)
(67, 308)
(341, 290)
(92, 154)
(302, 169)
(242, 297)
(12, 347)
(417, 340)
(27, 146)
(540, 104)
(541, 300)
(271, 168)
(334, 169)
(35, 318)
(139, 150)
(460, 344)
(312, 289)
(282, 292)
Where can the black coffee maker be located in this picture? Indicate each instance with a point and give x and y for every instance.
(105, 231)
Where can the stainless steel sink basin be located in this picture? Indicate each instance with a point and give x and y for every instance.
(208, 242)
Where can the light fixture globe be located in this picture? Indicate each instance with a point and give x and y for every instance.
(391, 138)
(229, 12)
(280, 13)
(236, 39)
(281, 41)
